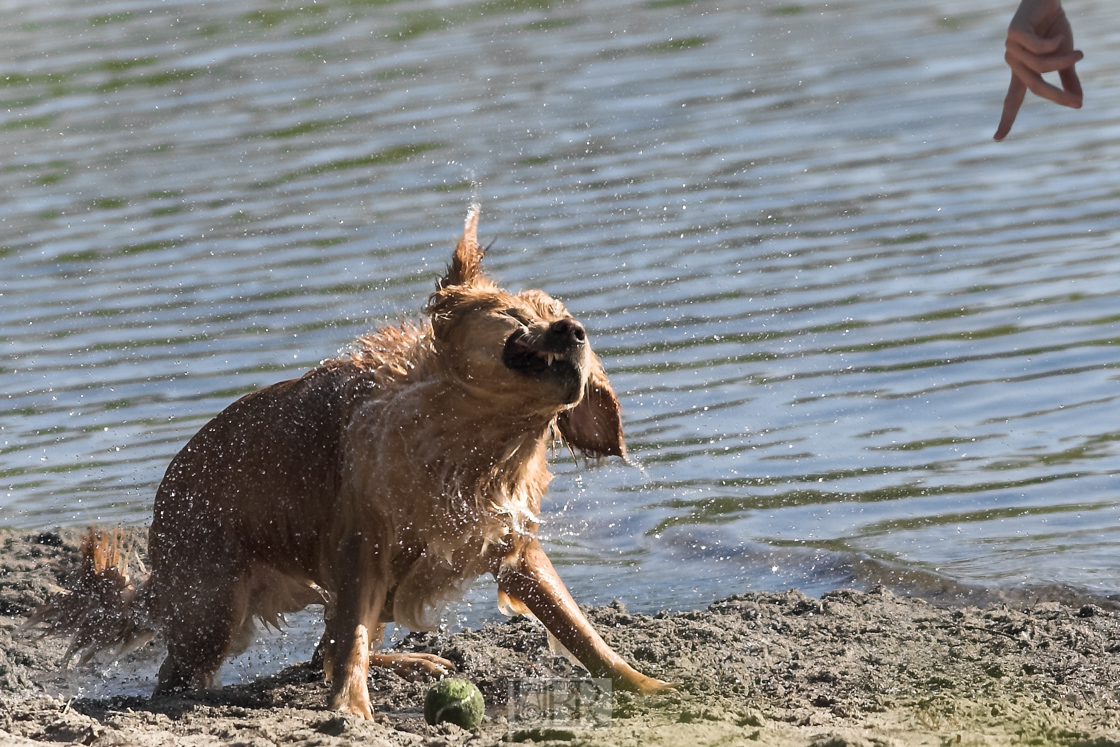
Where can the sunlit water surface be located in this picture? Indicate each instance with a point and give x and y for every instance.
(855, 340)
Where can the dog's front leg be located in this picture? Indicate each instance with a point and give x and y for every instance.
(361, 593)
(529, 577)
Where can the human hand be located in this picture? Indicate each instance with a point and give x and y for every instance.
(1039, 40)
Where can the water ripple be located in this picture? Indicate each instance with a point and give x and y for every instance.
(848, 331)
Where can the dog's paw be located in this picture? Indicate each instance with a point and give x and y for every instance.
(413, 666)
(651, 686)
(636, 682)
(352, 700)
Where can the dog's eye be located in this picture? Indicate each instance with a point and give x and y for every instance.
(519, 316)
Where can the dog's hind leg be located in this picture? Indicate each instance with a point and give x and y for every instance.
(202, 608)
(528, 576)
(360, 593)
(409, 665)
(412, 666)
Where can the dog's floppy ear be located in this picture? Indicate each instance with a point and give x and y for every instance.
(594, 426)
(464, 266)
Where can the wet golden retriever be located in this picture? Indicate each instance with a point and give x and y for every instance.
(379, 484)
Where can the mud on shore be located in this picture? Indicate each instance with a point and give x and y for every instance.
(850, 668)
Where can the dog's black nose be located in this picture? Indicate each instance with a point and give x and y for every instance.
(567, 329)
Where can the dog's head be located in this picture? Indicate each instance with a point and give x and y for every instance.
(523, 351)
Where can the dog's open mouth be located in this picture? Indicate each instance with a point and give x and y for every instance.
(523, 356)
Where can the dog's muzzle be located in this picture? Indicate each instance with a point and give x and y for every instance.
(558, 353)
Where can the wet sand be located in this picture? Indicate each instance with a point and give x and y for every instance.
(850, 668)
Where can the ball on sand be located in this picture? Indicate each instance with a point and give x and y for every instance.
(456, 701)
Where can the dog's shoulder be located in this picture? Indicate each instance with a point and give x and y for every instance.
(390, 352)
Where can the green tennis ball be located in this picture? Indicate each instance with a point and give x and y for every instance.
(456, 701)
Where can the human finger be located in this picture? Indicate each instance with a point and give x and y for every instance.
(1016, 92)
(1043, 63)
(1026, 38)
(1072, 84)
(1041, 88)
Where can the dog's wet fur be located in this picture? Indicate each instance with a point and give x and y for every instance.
(380, 485)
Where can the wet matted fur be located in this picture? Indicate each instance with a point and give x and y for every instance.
(379, 484)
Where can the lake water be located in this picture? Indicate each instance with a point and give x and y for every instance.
(856, 341)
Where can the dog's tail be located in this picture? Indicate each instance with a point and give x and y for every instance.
(101, 607)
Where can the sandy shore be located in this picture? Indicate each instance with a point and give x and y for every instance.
(850, 668)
